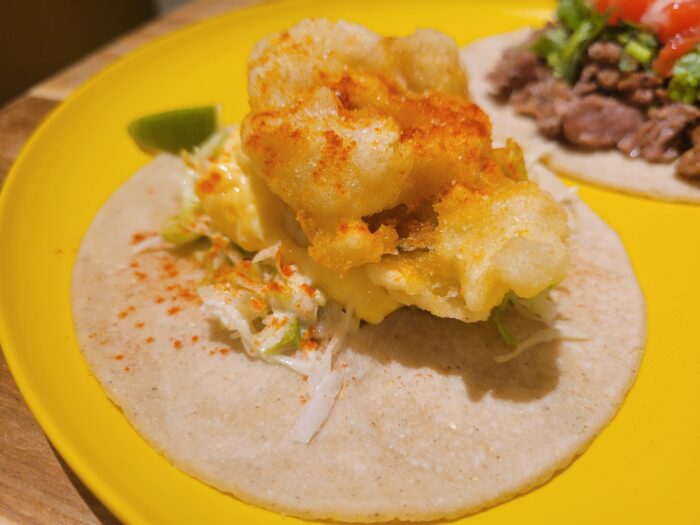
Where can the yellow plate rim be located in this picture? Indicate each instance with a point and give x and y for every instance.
(94, 478)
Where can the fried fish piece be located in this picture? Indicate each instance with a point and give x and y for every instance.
(284, 66)
(389, 169)
(485, 244)
(323, 132)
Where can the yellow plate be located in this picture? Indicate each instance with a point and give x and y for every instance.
(642, 469)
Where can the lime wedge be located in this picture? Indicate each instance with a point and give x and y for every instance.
(175, 130)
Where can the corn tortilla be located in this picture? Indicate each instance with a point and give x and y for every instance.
(427, 425)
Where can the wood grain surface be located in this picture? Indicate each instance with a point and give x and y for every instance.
(36, 486)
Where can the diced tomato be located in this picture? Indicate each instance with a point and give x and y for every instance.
(681, 16)
(674, 49)
(667, 18)
(630, 10)
(675, 22)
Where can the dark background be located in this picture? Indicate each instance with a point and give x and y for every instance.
(39, 37)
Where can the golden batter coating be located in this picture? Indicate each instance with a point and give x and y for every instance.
(388, 168)
(285, 65)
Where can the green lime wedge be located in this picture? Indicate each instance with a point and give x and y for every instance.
(174, 131)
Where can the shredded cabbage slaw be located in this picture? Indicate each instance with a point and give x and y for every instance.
(268, 305)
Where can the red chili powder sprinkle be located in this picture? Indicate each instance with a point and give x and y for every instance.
(137, 238)
(170, 270)
(285, 269)
(140, 324)
(308, 290)
(276, 287)
(218, 243)
(257, 303)
(141, 236)
(279, 323)
(195, 338)
(177, 344)
(173, 310)
(224, 351)
(159, 299)
(149, 339)
(208, 185)
(186, 293)
(309, 345)
(119, 357)
(141, 276)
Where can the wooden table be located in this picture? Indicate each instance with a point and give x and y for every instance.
(36, 486)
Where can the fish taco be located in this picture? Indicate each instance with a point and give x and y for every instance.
(354, 306)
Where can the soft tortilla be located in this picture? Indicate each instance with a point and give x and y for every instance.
(427, 425)
(610, 169)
